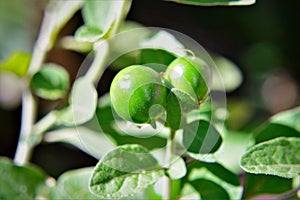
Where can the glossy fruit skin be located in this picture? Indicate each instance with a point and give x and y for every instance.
(187, 74)
(134, 90)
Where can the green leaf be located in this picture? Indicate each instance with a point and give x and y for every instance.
(17, 63)
(61, 12)
(139, 48)
(217, 174)
(157, 51)
(220, 176)
(229, 72)
(56, 15)
(82, 104)
(215, 2)
(105, 16)
(218, 170)
(132, 25)
(256, 184)
(270, 131)
(84, 101)
(20, 182)
(290, 118)
(88, 33)
(201, 137)
(155, 57)
(187, 102)
(179, 105)
(73, 184)
(177, 169)
(148, 193)
(208, 157)
(128, 48)
(94, 143)
(51, 82)
(174, 118)
(234, 143)
(164, 41)
(124, 171)
(123, 135)
(285, 124)
(279, 157)
(209, 190)
(198, 114)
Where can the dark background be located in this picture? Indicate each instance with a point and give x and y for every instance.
(262, 39)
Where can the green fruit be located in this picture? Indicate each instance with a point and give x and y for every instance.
(187, 74)
(134, 90)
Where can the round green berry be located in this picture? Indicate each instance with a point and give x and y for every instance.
(134, 90)
(187, 74)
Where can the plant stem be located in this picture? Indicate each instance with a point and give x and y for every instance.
(53, 21)
(169, 152)
(97, 68)
(42, 126)
(24, 149)
(43, 43)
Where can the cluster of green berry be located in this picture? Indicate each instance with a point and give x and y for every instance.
(136, 88)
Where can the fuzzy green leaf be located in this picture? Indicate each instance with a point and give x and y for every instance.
(73, 184)
(126, 170)
(105, 16)
(215, 2)
(20, 182)
(84, 101)
(51, 82)
(280, 156)
(88, 33)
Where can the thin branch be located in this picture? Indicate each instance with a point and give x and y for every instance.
(169, 152)
(23, 152)
(24, 148)
(97, 68)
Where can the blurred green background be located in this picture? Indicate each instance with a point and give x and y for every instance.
(262, 40)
